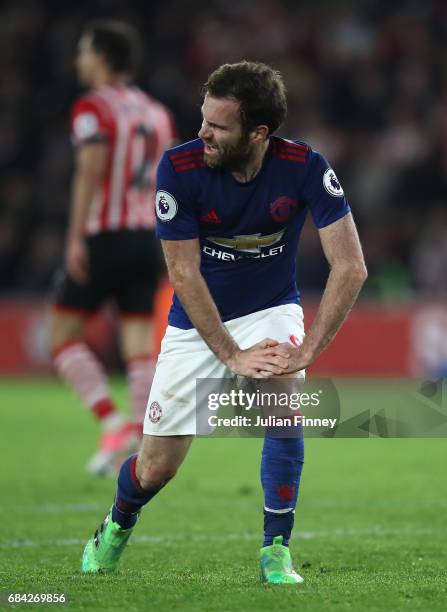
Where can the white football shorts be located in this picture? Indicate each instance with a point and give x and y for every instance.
(184, 357)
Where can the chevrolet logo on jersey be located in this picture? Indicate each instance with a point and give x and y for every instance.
(248, 243)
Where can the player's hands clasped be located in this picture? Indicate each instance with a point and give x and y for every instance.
(299, 359)
(263, 360)
(76, 260)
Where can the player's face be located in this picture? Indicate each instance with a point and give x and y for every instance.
(225, 143)
(86, 61)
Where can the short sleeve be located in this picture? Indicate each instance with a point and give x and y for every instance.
(323, 193)
(177, 217)
(90, 122)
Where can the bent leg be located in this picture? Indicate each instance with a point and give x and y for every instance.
(142, 477)
(159, 459)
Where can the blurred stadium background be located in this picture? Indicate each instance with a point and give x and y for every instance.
(367, 85)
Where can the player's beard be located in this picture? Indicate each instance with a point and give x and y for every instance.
(233, 158)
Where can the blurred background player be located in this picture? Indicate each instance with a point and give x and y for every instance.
(120, 134)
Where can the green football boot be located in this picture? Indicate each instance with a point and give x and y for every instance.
(105, 547)
(276, 564)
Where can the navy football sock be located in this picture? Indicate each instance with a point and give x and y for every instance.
(130, 497)
(281, 466)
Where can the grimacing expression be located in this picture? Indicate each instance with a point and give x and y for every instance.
(225, 143)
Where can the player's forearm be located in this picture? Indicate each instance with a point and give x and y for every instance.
(90, 168)
(200, 307)
(83, 191)
(342, 288)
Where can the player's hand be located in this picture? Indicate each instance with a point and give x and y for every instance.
(76, 260)
(263, 360)
(299, 358)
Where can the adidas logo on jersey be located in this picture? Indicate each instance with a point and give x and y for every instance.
(211, 217)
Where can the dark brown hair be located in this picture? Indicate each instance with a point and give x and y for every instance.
(118, 41)
(258, 88)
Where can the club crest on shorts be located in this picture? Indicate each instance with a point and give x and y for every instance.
(331, 183)
(155, 412)
(165, 206)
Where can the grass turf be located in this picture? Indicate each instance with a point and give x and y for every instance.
(370, 528)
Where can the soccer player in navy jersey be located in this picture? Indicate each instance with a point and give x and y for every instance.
(230, 208)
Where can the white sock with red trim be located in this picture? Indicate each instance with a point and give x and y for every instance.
(82, 371)
(140, 372)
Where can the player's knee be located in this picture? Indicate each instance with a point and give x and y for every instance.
(63, 329)
(155, 473)
(135, 336)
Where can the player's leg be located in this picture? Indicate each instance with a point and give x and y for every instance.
(282, 457)
(74, 361)
(141, 477)
(137, 343)
(78, 366)
(140, 269)
(281, 467)
(169, 427)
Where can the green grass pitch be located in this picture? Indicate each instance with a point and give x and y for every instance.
(370, 527)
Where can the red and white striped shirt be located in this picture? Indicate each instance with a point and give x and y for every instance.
(138, 130)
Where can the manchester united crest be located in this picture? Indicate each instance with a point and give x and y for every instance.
(155, 412)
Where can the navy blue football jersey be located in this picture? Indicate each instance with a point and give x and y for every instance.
(248, 232)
